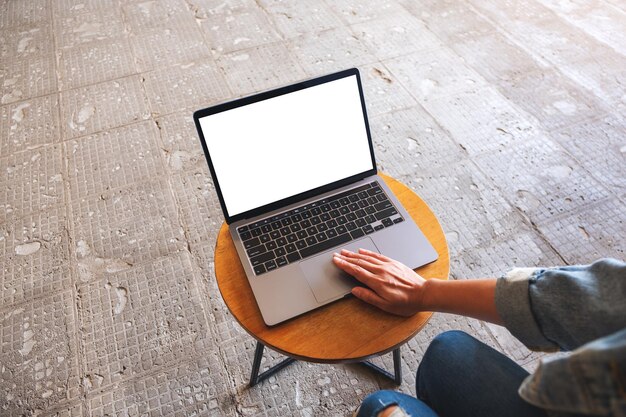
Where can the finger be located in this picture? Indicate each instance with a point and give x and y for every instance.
(357, 255)
(370, 297)
(363, 262)
(361, 274)
(376, 255)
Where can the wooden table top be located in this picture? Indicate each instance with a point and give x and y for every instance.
(347, 330)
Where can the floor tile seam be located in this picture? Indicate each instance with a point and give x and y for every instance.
(576, 24)
(591, 173)
(513, 38)
(266, 16)
(64, 141)
(65, 86)
(80, 349)
(12, 220)
(30, 300)
(536, 226)
(607, 190)
(143, 375)
(283, 43)
(80, 285)
(501, 87)
(22, 25)
(525, 218)
(197, 277)
(419, 104)
(400, 55)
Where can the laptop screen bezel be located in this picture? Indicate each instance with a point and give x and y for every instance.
(268, 95)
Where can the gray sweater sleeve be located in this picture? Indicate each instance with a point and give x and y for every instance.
(563, 307)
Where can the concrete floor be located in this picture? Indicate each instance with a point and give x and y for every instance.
(507, 117)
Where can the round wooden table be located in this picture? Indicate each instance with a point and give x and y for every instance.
(345, 331)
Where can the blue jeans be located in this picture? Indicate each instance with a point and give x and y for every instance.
(459, 376)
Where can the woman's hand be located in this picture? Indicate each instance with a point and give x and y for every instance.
(393, 286)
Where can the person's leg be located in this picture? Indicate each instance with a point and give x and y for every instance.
(460, 376)
(380, 403)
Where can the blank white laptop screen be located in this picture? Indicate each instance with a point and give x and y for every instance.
(276, 148)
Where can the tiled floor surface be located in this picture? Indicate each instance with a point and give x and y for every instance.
(507, 117)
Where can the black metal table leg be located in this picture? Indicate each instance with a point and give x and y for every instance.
(255, 377)
(396, 377)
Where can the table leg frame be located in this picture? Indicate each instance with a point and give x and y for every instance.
(255, 377)
(396, 377)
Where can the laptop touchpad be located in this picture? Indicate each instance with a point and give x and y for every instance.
(326, 280)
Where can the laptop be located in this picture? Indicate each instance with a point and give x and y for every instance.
(296, 177)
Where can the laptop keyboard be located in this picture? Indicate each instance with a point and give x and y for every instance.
(279, 240)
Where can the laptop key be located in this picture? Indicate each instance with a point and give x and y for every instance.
(325, 245)
(266, 228)
(280, 252)
(276, 225)
(383, 205)
(270, 265)
(311, 240)
(281, 261)
(351, 226)
(256, 232)
(265, 238)
(387, 222)
(252, 243)
(332, 233)
(312, 230)
(302, 234)
(257, 250)
(301, 244)
(315, 220)
(321, 237)
(262, 258)
(342, 229)
(386, 213)
(271, 245)
(292, 238)
(291, 248)
(259, 269)
(245, 235)
(379, 227)
(275, 234)
(292, 257)
(398, 220)
(368, 229)
(357, 233)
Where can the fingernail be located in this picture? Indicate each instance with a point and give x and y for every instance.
(345, 251)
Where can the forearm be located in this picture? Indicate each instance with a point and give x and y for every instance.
(473, 298)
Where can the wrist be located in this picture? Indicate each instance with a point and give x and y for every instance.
(430, 289)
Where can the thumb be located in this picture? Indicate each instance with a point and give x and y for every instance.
(370, 297)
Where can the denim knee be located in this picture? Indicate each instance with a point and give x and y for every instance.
(442, 356)
(375, 402)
